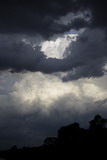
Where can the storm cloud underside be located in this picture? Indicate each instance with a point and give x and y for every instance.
(29, 114)
(39, 94)
(21, 57)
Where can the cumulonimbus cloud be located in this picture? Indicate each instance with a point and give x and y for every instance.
(35, 106)
(86, 58)
(41, 16)
(35, 17)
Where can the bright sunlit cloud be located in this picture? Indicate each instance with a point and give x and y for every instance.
(56, 48)
(32, 91)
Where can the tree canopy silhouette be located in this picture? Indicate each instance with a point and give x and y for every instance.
(71, 140)
(68, 134)
(98, 122)
(50, 141)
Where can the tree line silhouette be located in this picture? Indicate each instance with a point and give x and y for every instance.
(71, 141)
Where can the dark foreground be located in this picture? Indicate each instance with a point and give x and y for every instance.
(72, 142)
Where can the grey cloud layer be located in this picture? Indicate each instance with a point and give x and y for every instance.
(91, 52)
(32, 128)
(25, 117)
(34, 17)
(19, 56)
(23, 122)
(39, 17)
(87, 57)
(42, 18)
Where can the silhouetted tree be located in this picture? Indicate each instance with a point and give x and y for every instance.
(71, 140)
(14, 147)
(68, 133)
(50, 141)
(98, 122)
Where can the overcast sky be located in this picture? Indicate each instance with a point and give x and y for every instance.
(53, 67)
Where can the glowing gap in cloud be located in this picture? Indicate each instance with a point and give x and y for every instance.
(56, 49)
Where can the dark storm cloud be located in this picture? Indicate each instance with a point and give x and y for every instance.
(79, 23)
(31, 129)
(19, 56)
(90, 51)
(40, 17)
(87, 57)
(34, 17)
(98, 10)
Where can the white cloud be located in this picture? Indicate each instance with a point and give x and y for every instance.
(36, 91)
(56, 48)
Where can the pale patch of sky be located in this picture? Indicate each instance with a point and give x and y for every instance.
(56, 48)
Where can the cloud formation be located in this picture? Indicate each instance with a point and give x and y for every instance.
(29, 113)
(41, 16)
(87, 56)
(34, 17)
(34, 101)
